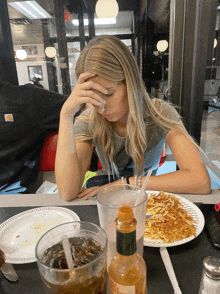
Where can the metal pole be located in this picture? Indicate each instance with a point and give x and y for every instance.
(8, 70)
(194, 23)
(62, 45)
(81, 27)
(49, 61)
(91, 23)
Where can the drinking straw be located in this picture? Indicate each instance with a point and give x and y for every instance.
(138, 200)
(67, 251)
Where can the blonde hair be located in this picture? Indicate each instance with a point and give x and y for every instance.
(111, 59)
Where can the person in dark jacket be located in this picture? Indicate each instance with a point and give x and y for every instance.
(36, 82)
(27, 116)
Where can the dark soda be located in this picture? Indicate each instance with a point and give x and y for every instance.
(89, 279)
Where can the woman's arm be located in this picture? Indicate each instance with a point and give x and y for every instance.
(72, 158)
(192, 176)
(71, 162)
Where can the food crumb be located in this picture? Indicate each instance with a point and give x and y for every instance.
(17, 236)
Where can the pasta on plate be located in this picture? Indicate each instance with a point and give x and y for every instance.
(170, 222)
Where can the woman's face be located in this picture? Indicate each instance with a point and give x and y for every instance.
(116, 107)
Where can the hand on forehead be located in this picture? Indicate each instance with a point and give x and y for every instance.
(104, 82)
(107, 84)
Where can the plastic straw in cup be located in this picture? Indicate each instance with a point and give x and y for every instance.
(139, 198)
(67, 251)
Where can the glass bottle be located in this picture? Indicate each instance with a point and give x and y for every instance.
(210, 282)
(127, 271)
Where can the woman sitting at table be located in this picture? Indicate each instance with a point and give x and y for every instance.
(127, 128)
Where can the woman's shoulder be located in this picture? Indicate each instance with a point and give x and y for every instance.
(166, 109)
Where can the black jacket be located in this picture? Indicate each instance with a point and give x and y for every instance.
(27, 116)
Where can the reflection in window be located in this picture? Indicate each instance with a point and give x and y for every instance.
(35, 72)
(210, 130)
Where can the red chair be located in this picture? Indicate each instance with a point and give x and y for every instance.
(163, 155)
(48, 152)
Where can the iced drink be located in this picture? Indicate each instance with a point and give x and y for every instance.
(88, 251)
(109, 200)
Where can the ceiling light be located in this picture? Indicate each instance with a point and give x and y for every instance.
(162, 45)
(106, 8)
(21, 54)
(215, 42)
(97, 21)
(50, 52)
(30, 9)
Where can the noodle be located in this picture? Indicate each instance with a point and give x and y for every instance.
(170, 222)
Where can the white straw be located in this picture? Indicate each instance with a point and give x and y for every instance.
(139, 198)
(67, 251)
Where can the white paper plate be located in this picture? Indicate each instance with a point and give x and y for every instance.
(20, 233)
(196, 214)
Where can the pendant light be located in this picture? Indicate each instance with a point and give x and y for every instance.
(162, 45)
(106, 8)
(21, 54)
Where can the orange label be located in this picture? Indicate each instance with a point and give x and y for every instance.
(116, 288)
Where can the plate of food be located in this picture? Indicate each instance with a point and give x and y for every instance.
(20, 233)
(175, 220)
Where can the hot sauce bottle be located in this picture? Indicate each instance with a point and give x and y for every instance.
(127, 271)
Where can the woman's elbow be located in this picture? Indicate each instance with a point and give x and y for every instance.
(207, 186)
(204, 185)
(67, 194)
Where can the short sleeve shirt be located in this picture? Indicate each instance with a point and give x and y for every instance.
(155, 141)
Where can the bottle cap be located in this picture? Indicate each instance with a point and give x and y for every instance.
(125, 212)
(212, 267)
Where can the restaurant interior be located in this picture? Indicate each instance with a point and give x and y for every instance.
(51, 41)
(177, 47)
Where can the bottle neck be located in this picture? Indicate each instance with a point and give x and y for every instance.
(126, 237)
(126, 243)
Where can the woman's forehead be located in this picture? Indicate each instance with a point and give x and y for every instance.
(104, 82)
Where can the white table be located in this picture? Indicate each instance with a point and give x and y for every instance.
(16, 200)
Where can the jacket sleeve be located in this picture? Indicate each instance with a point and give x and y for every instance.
(48, 105)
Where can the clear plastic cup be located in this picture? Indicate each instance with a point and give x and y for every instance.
(89, 278)
(109, 200)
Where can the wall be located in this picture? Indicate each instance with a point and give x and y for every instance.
(31, 60)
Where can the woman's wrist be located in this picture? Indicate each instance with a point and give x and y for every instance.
(68, 112)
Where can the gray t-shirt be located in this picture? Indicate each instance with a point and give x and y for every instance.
(155, 141)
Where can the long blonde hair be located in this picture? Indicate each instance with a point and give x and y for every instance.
(111, 59)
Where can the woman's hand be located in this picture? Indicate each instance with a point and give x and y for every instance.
(85, 91)
(90, 192)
